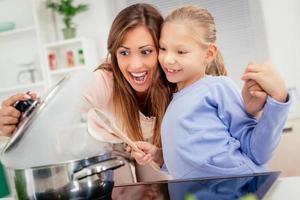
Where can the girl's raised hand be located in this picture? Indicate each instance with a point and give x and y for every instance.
(268, 78)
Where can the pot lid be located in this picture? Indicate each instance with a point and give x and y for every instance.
(30, 109)
(53, 129)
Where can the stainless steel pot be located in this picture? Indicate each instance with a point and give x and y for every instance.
(90, 178)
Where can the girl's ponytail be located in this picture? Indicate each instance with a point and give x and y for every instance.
(216, 67)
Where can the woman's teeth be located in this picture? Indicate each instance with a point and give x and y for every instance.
(139, 77)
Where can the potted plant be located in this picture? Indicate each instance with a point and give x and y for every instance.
(67, 10)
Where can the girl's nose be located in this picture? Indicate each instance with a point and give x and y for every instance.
(169, 59)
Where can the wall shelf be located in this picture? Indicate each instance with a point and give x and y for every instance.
(70, 55)
(22, 87)
(17, 31)
(64, 42)
(66, 70)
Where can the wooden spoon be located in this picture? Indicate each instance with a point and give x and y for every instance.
(117, 132)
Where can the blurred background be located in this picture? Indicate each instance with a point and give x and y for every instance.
(35, 51)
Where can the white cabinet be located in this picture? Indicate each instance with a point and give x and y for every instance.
(25, 50)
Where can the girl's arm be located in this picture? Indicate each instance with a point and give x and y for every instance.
(258, 138)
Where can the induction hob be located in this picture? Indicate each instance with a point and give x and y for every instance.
(246, 187)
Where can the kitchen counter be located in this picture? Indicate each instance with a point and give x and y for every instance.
(284, 188)
(266, 185)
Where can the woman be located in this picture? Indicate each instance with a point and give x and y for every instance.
(130, 85)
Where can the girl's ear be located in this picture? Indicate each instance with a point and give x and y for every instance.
(212, 52)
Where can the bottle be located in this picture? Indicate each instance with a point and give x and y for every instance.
(4, 187)
(70, 59)
(51, 60)
(80, 57)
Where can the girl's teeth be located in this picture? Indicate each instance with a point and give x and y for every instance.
(172, 70)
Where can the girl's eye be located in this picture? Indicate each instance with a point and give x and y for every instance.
(124, 53)
(182, 52)
(162, 48)
(147, 51)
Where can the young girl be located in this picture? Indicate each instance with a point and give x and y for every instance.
(206, 130)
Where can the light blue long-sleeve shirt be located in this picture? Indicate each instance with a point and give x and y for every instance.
(207, 132)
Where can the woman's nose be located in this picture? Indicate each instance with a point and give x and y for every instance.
(136, 61)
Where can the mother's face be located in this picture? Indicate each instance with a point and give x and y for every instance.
(137, 58)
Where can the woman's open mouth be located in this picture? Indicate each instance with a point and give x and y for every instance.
(139, 77)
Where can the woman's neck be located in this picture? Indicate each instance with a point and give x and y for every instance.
(142, 101)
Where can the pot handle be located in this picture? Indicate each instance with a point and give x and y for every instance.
(98, 168)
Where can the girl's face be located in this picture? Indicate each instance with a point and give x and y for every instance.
(137, 58)
(181, 56)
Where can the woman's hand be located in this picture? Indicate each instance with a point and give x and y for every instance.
(9, 116)
(149, 152)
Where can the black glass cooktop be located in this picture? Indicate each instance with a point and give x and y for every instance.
(246, 187)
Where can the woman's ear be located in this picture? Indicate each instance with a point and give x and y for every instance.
(212, 52)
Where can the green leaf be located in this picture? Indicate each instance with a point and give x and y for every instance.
(66, 9)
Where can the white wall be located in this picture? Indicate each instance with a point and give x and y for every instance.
(283, 36)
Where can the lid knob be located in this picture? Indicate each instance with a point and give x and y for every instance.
(22, 106)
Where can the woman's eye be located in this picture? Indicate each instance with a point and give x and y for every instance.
(147, 51)
(124, 53)
(162, 48)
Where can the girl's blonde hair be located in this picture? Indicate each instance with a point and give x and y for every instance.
(199, 18)
(124, 96)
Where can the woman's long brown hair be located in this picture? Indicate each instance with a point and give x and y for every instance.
(125, 100)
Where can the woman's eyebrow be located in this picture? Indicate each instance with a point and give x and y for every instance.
(147, 45)
(124, 47)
